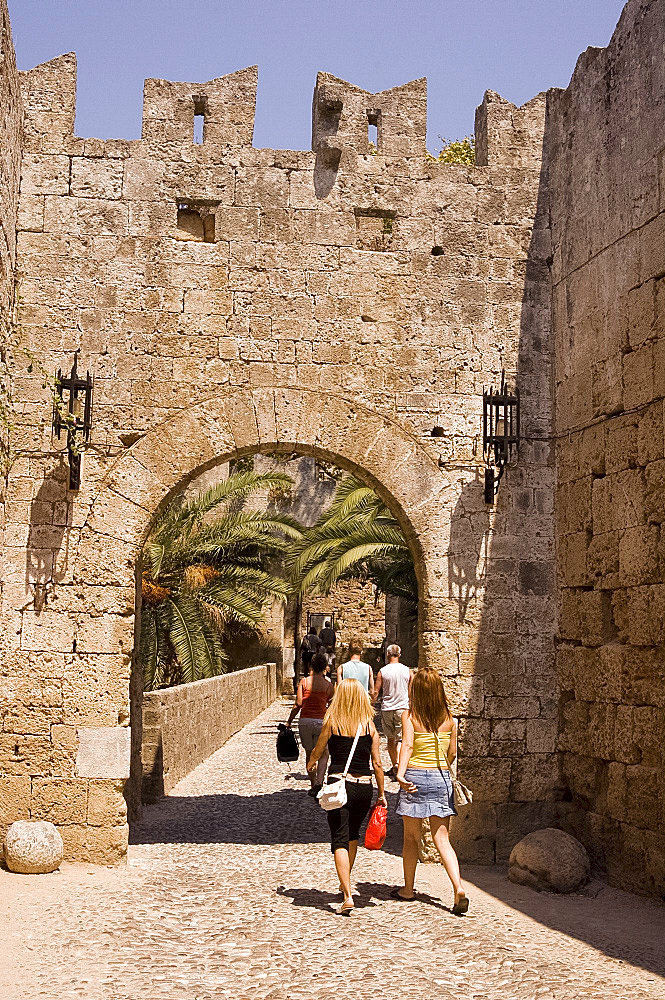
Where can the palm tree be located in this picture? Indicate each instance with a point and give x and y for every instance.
(209, 564)
(357, 538)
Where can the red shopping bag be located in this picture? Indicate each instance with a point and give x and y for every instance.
(375, 834)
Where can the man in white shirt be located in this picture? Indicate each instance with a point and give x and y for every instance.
(393, 681)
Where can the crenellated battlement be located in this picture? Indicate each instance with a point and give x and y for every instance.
(343, 113)
(226, 106)
(345, 119)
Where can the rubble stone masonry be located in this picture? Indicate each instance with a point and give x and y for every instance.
(230, 299)
(11, 115)
(351, 307)
(605, 142)
(184, 725)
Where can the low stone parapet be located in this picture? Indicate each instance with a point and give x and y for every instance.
(183, 725)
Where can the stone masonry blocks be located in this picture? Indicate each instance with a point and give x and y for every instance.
(348, 306)
(608, 233)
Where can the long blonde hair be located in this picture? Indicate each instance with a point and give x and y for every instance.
(427, 697)
(349, 708)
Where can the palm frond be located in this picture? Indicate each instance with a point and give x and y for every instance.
(357, 537)
(237, 487)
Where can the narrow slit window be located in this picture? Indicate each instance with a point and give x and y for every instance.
(373, 137)
(200, 108)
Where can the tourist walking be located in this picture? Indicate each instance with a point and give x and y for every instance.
(392, 684)
(328, 636)
(329, 653)
(429, 746)
(309, 647)
(356, 669)
(312, 699)
(350, 713)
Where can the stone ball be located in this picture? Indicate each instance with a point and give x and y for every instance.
(549, 860)
(33, 847)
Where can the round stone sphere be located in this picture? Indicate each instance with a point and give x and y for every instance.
(549, 860)
(33, 847)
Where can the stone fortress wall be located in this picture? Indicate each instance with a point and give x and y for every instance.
(605, 143)
(247, 280)
(11, 115)
(231, 299)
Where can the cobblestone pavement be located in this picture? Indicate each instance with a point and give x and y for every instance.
(228, 894)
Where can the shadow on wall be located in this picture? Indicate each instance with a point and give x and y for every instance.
(469, 531)
(501, 558)
(50, 514)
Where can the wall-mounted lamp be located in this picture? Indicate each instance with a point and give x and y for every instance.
(73, 414)
(501, 433)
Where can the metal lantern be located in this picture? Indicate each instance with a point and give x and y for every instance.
(501, 433)
(72, 412)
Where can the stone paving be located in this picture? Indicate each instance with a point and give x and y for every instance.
(229, 892)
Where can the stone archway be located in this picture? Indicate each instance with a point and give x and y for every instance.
(117, 518)
(375, 446)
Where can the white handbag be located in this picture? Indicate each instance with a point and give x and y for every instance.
(334, 796)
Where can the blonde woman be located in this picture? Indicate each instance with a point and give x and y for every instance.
(429, 746)
(350, 711)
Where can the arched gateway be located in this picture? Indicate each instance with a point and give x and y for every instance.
(346, 302)
(116, 520)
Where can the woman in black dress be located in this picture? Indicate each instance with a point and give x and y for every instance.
(350, 711)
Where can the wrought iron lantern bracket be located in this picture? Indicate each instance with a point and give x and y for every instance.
(73, 415)
(501, 433)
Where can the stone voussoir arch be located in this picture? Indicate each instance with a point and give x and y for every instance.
(243, 420)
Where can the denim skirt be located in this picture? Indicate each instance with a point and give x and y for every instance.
(435, 795)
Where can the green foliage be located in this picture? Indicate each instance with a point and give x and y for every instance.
(388, 224)
(357, 538)
(456, 151)
(207, 565)
(245, 463)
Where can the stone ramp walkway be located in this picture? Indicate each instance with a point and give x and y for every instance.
(228, 894)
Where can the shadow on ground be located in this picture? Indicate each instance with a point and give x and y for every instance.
(603, 917)
(288, 816)
(368, 894)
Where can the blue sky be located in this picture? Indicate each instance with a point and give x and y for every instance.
(463, 47)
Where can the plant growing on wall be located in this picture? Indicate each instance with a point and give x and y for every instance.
(456, 151)
(209, 564)
(357, 538)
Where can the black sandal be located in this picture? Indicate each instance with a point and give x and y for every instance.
(461, 906)
(395, 894)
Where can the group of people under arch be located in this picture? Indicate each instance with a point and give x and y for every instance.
(337, 706)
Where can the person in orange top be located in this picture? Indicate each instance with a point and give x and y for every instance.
(312, 698)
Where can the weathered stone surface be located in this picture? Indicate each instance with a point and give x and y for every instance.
(609, 335)
(183, 725)
(353, 307)
(33, 847)
(549, 860)
(103, 752)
